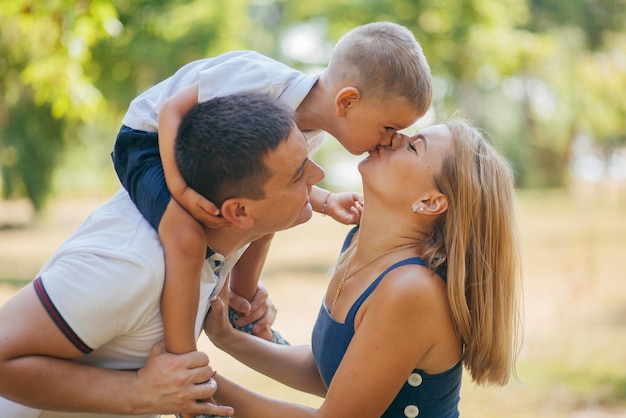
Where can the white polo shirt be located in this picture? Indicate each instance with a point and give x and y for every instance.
(103, 286)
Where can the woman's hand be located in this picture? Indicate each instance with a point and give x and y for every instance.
(216, 325)
(260, 313)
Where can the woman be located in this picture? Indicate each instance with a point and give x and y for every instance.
(426, 284)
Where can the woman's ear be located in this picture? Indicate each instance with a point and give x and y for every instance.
(236, 213)
(437, 204)
(345, 100)
(433, 205)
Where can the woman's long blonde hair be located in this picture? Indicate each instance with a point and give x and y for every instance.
(476, 243)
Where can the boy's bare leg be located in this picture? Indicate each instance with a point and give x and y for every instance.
(244, 281)
(246, 274)
(184, 247)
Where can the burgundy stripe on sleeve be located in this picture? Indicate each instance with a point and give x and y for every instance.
(57, 318)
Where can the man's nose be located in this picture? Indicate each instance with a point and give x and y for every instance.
(317, 173)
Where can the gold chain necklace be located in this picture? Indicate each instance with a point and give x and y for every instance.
(346, 276)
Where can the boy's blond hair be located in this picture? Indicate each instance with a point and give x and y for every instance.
(384, 61)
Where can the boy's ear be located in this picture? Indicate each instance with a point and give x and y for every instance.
(235, 212)
(345, 99)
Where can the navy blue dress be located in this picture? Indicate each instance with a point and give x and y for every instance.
(423, 395)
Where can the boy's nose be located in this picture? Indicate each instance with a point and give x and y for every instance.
(387, 139)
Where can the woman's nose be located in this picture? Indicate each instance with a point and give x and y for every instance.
(397, 140)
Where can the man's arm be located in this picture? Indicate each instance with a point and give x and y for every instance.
(37, 370)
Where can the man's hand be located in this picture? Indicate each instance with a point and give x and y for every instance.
(170, 383)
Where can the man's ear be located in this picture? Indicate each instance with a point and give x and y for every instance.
(235, 211)
(345, 100)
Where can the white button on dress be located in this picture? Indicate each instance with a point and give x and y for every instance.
(415, 379)
(411, 411)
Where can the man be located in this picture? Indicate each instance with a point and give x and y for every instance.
(84, 336)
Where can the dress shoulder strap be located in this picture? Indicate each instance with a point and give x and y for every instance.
(370, 289)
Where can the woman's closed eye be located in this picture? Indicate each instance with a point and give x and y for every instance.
(413, 144)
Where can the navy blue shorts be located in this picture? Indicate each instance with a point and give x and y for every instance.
(138, 165)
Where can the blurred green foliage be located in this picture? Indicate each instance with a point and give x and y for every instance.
(533, 73)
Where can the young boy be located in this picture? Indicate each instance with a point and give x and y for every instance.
(377, 82)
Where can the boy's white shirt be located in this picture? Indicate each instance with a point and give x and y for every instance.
(227, 74)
